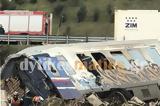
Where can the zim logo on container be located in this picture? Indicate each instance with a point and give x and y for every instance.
(130, 22)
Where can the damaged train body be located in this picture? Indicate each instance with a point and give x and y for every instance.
(113, 71)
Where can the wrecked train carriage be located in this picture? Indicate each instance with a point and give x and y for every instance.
(72, 70)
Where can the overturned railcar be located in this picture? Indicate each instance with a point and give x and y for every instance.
(114, 71)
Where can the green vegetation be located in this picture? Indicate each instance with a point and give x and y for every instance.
(94, 17)
(7, 50)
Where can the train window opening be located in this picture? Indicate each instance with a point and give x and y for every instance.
(118, 55)
(137, 57)
(102, 61)
(153, 53)
(84, 59)
(88, 63)
(65, 65)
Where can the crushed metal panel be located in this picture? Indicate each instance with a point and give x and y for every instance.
(66, 88)
(59, 78)
(63, 83)
(147, 92)
(33, 79)
(8, 67)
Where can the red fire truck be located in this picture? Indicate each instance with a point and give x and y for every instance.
(26, 22)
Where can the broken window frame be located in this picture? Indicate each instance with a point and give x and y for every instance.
(65, 65)
(85, 63)
(154, 55)
(138, 57)
(120, 57)
(100, 62)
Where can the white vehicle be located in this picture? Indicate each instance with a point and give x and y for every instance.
(136, 24)
(105, 68)
(26, 22)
